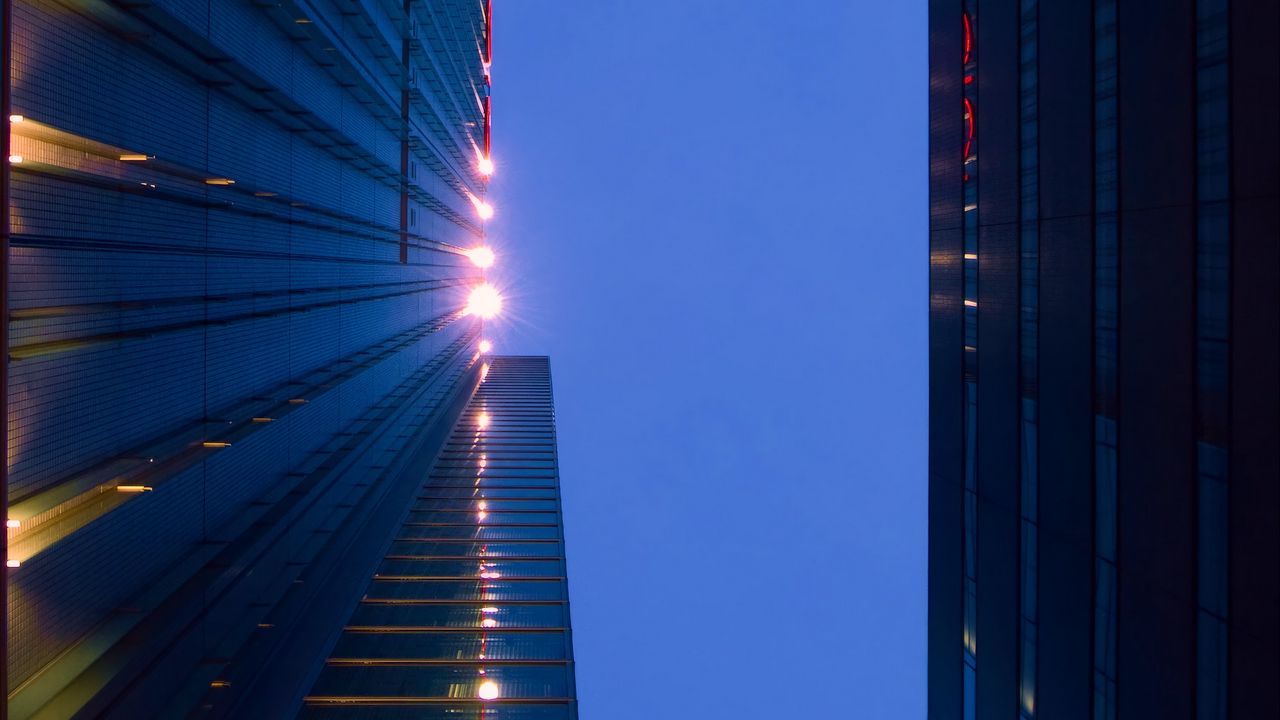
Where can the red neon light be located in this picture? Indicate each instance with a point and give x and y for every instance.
(968, 38)
(488, 31)
(968, 127)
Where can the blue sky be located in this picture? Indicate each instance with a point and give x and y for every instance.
(713, 217)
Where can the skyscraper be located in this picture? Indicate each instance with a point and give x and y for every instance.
(246, 286)
(1104, 533)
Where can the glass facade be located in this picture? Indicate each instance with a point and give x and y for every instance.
(467, 615)
(1213, 258)
(1103, 315)
(1028, 343)
(237, 282)
(969, 186)
(1106, 308)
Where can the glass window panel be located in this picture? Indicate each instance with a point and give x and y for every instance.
(446, 645)
(499, 589)
(443, 681)
(470, 503)
(471, 568)
(436, 711)
(460, 615)
(489, 518)
(481, 532)
(423, 548)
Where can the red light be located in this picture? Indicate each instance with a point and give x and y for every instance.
(968, 127)
(968, 39)
(968, 79)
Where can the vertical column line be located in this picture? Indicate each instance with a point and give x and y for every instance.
(6, 107)
(1212, 354)
(1029, 355)
(1106, 296)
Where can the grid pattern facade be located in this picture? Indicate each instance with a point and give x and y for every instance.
(1104, 516)
(467, 616)
(237, 243)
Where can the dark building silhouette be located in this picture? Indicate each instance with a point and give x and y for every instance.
(1104, 503)
(241, 330)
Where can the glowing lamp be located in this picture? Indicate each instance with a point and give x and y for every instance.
(486, 346)
(483, 420)
(17, 563)
(489, 623)
(16, 118)
(481, 257)
(488, 690)
(485, 166)
(15, 159)
(488, 610)
(13, 523)
(484, 209)
(485, 301)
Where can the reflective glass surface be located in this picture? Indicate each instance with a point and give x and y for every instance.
(467, 615)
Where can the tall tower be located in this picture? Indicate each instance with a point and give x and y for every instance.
(1104, 512)
(244, 245)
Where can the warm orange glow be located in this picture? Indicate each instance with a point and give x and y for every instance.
(486, 346)
(485, 165)
(482, 256)
(219, 181)
(488, 690)
(263, 419)
(134, 157)
(483, 420)
(133, 488)
(971, 256)
(215, 444)
(485, 301)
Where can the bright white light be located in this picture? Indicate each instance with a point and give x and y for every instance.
(485, 165)
(16, 118)
(488, 622)
(483, 209)
(15, 159)
(481, 256)
(13, 523)
(489, 610)
(482, 514)
(483, 420)
(482, 505)
(488, 690)
(485, 301)
(490, 575)
(486, 346)
(16, 563)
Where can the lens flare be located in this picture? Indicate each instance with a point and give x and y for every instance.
(485, 301)
(485, 165)
(486, 346)
(481, 257)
